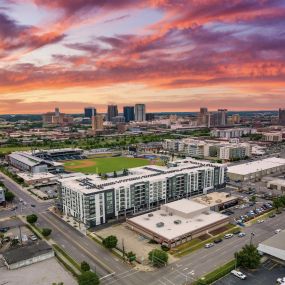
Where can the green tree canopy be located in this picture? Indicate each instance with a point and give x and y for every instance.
(9, 196)
(46, 232)
(248, 257)
(88, 278)
(110, 241)
(31, 219)
(84, 266)
(158, 257)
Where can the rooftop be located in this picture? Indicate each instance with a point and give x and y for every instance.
(277, 241)
(215, 198)
(26, 252)
(255, 166)
(92, 183)
(171, 226)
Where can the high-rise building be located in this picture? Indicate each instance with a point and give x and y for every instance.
(203, 116)
(89, 112)
(56, 111)
(129, 113)
(149, 116)
(140, 112)
(219, 118)
(282, 117)
(112, 112)
(56, 118)
(97, 123)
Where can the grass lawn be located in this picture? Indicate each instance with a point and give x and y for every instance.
(104, 165)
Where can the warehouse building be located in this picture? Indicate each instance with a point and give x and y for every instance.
(22, 256)
(274, 246)
(177, 222)
(277, 184)
(94, 201)
(255, 170)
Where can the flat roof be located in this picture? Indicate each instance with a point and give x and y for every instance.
(255, 166)
(215, 198)
(26, 252)
(33, 176)
(186, 206)
(183, 226)
(91, 183)
(277, 241)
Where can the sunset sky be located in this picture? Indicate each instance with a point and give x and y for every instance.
(172, 55)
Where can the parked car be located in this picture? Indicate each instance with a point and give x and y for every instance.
(208, 245)
(241, 235)
(280, 281)
(33, 237)
(260, 221)
(218, 240)
(278, 231)
(272, 216)
(238, 274)
(236, 232)
(227, 236)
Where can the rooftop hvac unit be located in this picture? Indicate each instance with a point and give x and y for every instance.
(177, 222)
(163, 215)
(160, 224)
(150, 214)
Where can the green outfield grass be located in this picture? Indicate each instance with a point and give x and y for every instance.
(104, 165)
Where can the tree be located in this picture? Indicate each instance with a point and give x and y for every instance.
(31, 219)
(46, 232)
(84, 266)
(253, 198)
(248, 257)
(115, 174)
(277, 203)
(158, 257)
(110, 241)
(9, 196)
(88, 278)
(131, 256)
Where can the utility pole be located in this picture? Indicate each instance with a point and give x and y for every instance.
(123, 245)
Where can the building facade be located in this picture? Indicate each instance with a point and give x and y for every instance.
(129, 113)
(112, 112)
(2, 195)
(89, 112)
(94, 201)
(281, 117)
(140, 115)
(232, 133)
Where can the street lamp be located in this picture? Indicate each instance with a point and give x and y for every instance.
(252, 234)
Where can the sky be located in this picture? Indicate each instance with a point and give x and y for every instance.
(172, 55)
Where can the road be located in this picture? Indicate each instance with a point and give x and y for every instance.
(103, 262)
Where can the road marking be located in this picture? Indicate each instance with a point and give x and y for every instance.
(106, 267)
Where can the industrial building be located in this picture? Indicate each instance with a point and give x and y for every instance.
(277, 184)
(177, 222)
(255, 170)
(94, 201)
(274, 246)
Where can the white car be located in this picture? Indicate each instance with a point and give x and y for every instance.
(280, 281)
(208, 245)
(33, 237)
(278, 231)
(241, 235)
(260, 221)
(238, 274)
(228, 236)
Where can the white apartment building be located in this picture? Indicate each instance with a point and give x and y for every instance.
(94, 201)
(232, 133)
(201, 149)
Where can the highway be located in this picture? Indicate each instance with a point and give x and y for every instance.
(113, 271)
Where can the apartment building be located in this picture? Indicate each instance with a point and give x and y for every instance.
(201, 149)
(94, 201)
(232, 133)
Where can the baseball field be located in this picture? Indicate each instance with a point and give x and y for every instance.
(104, 165)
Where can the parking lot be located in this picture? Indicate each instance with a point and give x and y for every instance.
(267, 274)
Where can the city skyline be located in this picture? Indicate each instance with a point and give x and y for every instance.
(171, 55)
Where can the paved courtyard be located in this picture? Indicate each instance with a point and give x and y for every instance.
(43, 273)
